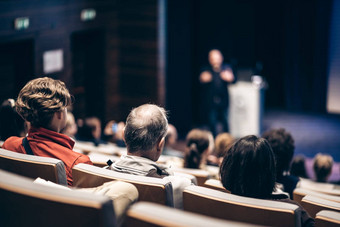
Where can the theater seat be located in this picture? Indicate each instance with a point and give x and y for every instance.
(33, 166)
(150, 189)
(238, 208)
(313, 205)
(100, 160)
(299, 193)
(201, 175)
(215, 184)
(325, 188)
(24, 203)
(326, 218)
(144, 214)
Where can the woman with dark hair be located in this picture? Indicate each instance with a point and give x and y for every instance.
(198, 147)
(248, 169)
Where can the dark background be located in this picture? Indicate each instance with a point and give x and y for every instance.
(119, 61)
(288, 38)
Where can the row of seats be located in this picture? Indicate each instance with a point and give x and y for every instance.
(196, 199)
(24, 203)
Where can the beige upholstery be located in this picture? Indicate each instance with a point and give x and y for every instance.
(33, 166)
(149, 214)
(150, 189)
(215, 184)
(201, 175)
(313, 205)
(299, 193)
(192, 178)
(237, 208)
(24, 203)
(100, 160)
(325, 188)
(326, 218)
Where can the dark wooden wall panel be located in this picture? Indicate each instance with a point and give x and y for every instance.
(130, 28)
(138, 32)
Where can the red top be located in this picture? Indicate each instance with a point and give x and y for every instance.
(47, 143)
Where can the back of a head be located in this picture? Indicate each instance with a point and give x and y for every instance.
(11, 124)
(89, 129)
(248, 169)
(40, 98)
(322, 166)
(145, 126)
(283, 147)
(223, 142)
(197, 142)
(298, 168)
(171, 136)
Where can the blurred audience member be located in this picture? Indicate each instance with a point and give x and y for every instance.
(198, 148)
(248, 169)
(282, 144)
(170, 141)
(71, 127)
(298, 167)
(90, 130)
(11, 123)
(114, 131)
(223, 142)
(323, 164)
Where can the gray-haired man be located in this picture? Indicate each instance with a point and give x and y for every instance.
(144, 135)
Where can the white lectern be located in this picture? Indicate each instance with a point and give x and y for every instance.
(246, 101)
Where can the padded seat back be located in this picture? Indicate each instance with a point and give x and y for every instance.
(201, 175)
(150, 189)
(33, 166)
(24, 203)
(215, 184)
(325, 188)
(326, 218)
(299, 193)
(144, 214)
(238, 208)
(313, 205)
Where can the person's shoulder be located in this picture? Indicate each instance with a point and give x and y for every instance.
(288, 179)
(12, 142)
(82, 158)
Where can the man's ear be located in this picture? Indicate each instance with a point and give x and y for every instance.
(161, 144)
(124, 135)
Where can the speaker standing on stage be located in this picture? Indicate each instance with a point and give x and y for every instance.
(214, 80)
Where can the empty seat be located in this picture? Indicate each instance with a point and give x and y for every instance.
(24, 203)
(299, 193)
(215, 184)
(238, 208)
(313, 204)
(33, 166)
(150, 214)
(326, 218)
(150, 189)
